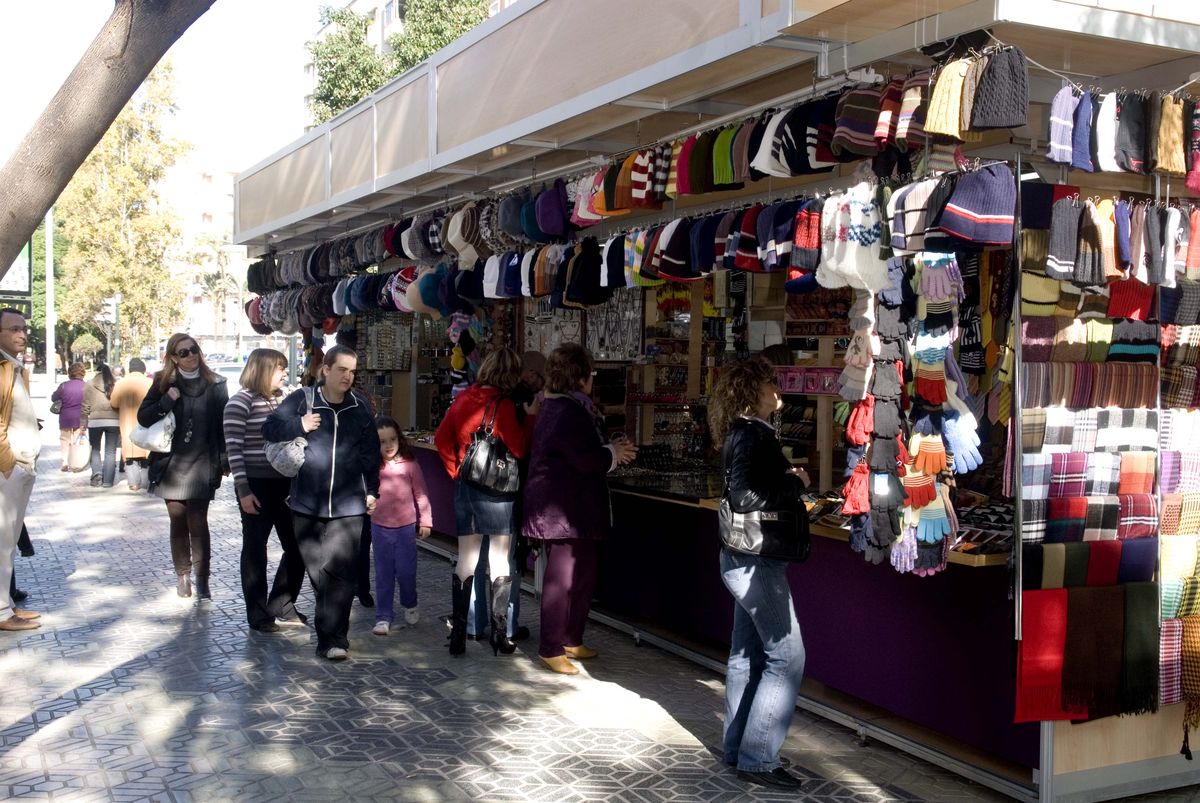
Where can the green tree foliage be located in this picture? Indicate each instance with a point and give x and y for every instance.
(118, 232)
(63, 332)
(86, 345)
(348, 68)
(430, 25)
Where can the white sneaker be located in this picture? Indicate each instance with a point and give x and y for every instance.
(412, 615)
(381, 628)
(336, 654)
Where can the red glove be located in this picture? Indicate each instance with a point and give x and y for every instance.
(930, 382)
(861, 423)
(919, 489)
(857, 494)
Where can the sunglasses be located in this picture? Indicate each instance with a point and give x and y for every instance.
(184, 353)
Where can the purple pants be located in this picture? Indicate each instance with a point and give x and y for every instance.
(567, 588)
(395, 565)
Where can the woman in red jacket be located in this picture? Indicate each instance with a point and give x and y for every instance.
(476, 512)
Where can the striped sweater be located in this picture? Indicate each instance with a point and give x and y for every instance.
(244, 417)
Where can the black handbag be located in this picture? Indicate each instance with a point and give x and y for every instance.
(487, 465)
(777, 534)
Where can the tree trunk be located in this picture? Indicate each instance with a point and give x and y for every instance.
(130, 44)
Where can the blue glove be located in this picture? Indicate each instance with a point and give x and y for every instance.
(963, 442)
(933, 525)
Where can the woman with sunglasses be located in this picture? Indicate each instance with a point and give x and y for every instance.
(188, 476)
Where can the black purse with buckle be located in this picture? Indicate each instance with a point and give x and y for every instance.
(776, 534)
(487, 465)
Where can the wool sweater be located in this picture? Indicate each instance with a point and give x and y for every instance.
(403, 499)
(244, 416)
(97, 407)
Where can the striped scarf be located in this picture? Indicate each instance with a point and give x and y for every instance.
(1191, 680)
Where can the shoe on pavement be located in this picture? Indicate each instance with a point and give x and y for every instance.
(265, 627)
(15, 623)
(580, 652)
(20, 596)
(381, 628)
(366, 600)
(412, 615)
(96, 480)
(560, 664)
(30, 615)
(778, 778)
(336, 654)
(295, 620)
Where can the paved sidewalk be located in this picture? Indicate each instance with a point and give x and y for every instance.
(129, 693)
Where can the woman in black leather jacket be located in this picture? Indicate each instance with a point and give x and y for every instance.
(766, 656)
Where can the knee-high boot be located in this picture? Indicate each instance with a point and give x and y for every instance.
(460, 597)
(501, 591)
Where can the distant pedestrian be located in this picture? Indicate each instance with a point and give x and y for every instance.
(100, 419)
(126, 398)
(69, 397)
(402, 515)
(187, 477)
(262, 495)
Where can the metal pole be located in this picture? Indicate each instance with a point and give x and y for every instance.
(51, 315)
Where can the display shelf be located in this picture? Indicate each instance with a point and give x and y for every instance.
(957, 558)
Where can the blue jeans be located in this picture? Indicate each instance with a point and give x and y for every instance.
(395, 565)
(766, 661)
(479, 615)
(105, 467)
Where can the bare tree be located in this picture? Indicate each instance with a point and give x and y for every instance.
(134, 39)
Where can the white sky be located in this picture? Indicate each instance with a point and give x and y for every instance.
(238, 72)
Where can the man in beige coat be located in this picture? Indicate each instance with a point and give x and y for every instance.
(126, 397)
(19, 447)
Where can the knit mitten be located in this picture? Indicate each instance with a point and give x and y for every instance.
(930, 383)
(841, 412)
(904, 551)
(883, 454)
(885, 382)
(928, 453)
(963, 442)
(861, 532)
(887, 494)
(926, 418)
(861, 349)
(931, 348)
(933, 525)
(854, 381)
(940, 278)
(885, 418)
(890, 350)
(938, 316)
(888, 323)
(856, 494)
(919, 489)
(862, 310)
(861, 422)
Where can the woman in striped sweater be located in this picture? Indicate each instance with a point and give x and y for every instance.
(262, 492)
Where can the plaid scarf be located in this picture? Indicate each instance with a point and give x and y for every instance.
(1104, 562)
(1093, 658)
(1189, 515)
(1103, 518)
(1060, 423)
(1136, 472)
(1068, 474)
(1033, 521)
(1104, 473)
(1189, 472)
(1033, 430)
(1189, 597)
(1083, 436)
(1170, 669)
(1190, 663)
(1040, 658)
(1119, 430)
(1172, 593)
(1140, 664)
(1178, 385)
(1189, 303)
(1172, 511)
(1035, 475)
(1139, 516)
(1066, 519)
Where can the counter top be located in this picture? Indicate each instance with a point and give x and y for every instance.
(688, 489)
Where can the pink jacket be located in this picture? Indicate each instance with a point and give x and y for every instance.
(402, 496)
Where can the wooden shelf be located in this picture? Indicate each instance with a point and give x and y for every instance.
(958, 558)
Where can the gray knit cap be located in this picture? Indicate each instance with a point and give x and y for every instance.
(1062, 122)
(1064, 239)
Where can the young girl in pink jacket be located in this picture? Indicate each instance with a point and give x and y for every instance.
(401, 517)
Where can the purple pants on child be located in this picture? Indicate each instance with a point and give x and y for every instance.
(395, 565)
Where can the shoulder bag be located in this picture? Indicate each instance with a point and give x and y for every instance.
(157, 437)
(487, 465)
(287, 457)
(776, 534)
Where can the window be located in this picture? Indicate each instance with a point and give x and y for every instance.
(389, 13)
(494, 8)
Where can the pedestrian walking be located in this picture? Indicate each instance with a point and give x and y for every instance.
(127, 397)
(103, 427)
(336, 486)
(187, 477)
(262, 496)
(69, 398)
(402, 515)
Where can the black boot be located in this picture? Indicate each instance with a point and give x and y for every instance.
(202, 588)
(501, 643)
(460, 598)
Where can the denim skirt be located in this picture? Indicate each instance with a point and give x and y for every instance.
(479, 513)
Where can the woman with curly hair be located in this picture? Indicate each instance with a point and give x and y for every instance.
(766, 655)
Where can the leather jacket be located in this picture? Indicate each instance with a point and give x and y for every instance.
(757, 470)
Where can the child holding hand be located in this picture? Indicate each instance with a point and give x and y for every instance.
(402, 515)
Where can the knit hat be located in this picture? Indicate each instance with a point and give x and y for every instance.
(1171, 142)
(1064, 239)
(492, 275)
(806, 240)
(1062, 121)
(981, 210)
(1089, 262)
(1106, 135)
(550, 209)
(683, 177)
(762, 160)
(857, 114)
(746, 257)
(1002, 100)
(677, 257)
(1081, 133)
(508, 217)
(910, 130)
(1192, 142)
(622, 197)
(529, 224)
(1131, 132)
(721, 236)
(702, 249)
(614, 263)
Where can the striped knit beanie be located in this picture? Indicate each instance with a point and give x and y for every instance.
(761, 159)
(1002, 100)
(857, 114)
(1089, 263)
(746, 256)
(889, 113)
(1131, 132)
(982, 208)
(910, 129)
(1193, 143)
(1063, 239)
(1121, 220)
(1062, 120)
(1081, 132)
(1137, 244)
(806, 242)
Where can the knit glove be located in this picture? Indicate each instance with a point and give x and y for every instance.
(856, 494)
(919, 489)
(930, 382)
(890, 349)
(861, 421)
(903, 458)
(886, 419)
(887, 493)
(883, 454)
(885, 383)
(888, 323)
(926, 418)
(904, 551)
(861, 532)
(964, 444)
(938, 282)
(893, 294)
(931, 348)
(928, 453)
(939, 316)
(933, 525)
(854, 382)
(841, 412)
(861, 349)
(862, 311)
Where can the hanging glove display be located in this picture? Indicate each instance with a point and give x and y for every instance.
(904, 551)
(854, 381)
(930, 381)
(940, 277)
(919, 489)
(931, 348)
(889, 324)
(861, 421)
(926, 418)
(861, 531)
(893, 294)
(928, 453)
(963, 442)
(933, 525)
(886, 418)
(883, 454)
(861, 349)
(856, 495)
(936, 316)
(886, 381)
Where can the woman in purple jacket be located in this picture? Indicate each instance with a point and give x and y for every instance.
(566, 502)
(69, 395)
